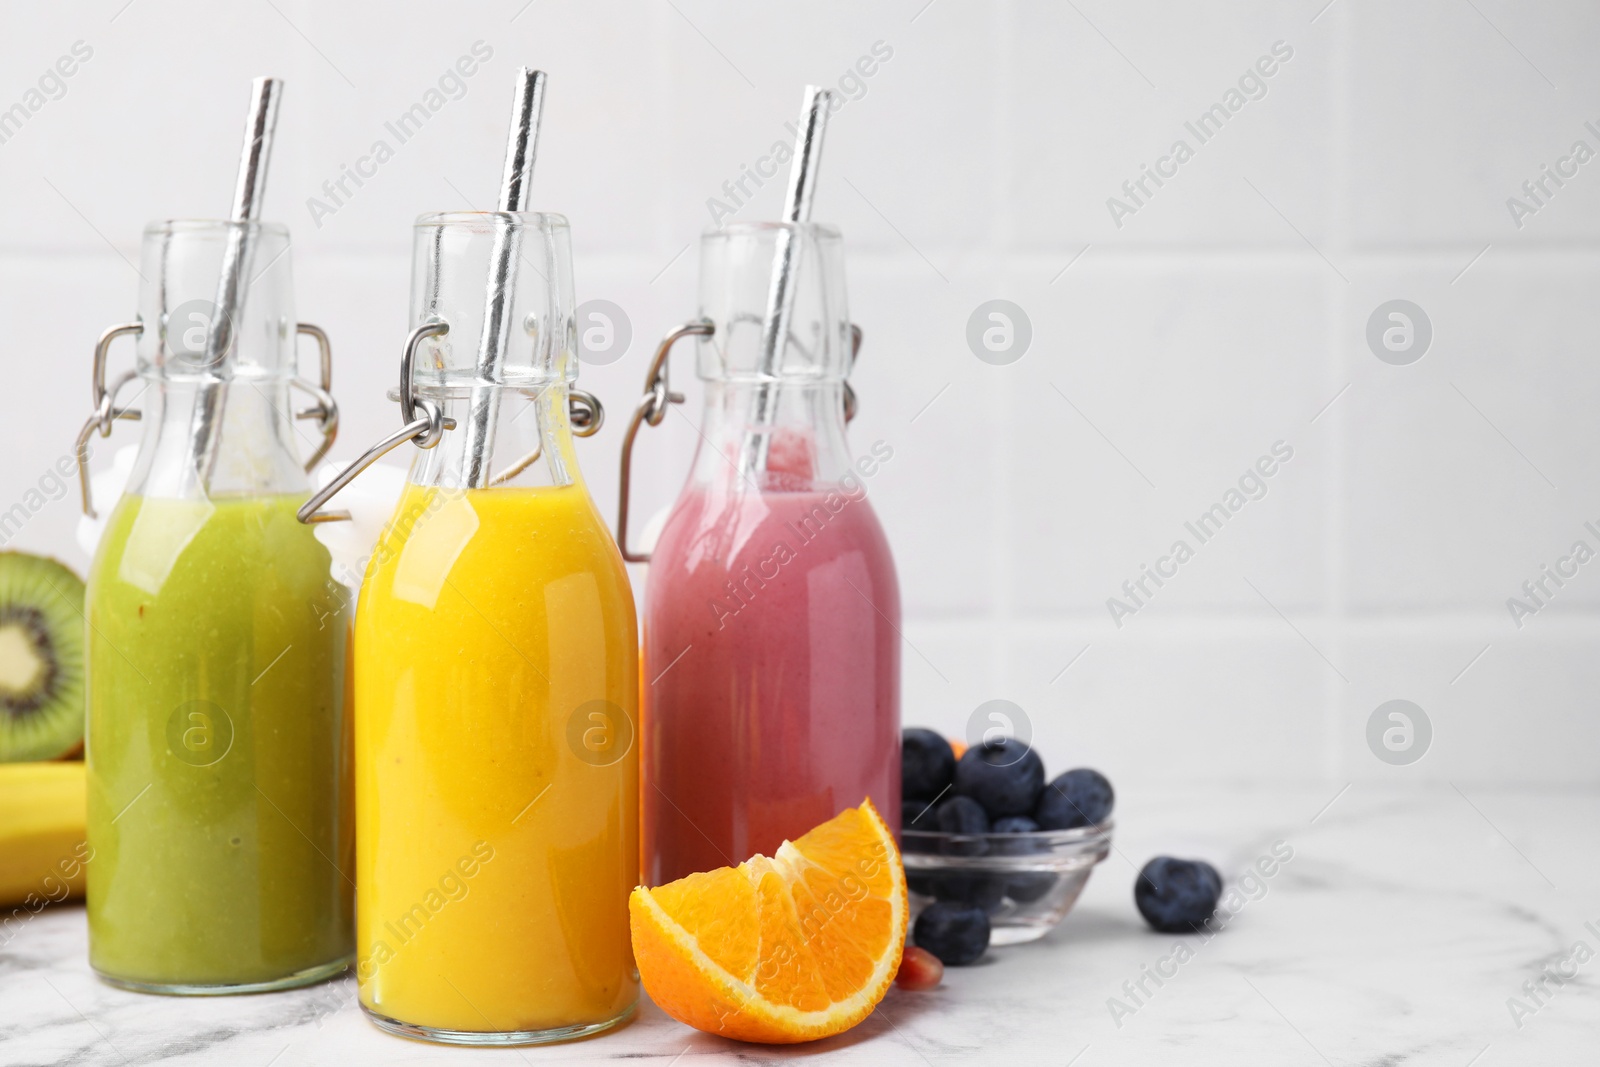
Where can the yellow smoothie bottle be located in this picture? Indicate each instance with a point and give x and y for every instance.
(496, 677)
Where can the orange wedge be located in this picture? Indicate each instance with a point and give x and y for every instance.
(792, 948)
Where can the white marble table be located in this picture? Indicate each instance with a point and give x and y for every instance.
(1397, 933)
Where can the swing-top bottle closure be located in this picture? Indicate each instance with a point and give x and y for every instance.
(475, 341)
(738, 277)
(197, 340)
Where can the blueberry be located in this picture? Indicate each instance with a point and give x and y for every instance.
(1005, 776)
(1015, 824)
(1029, 886)
(921, 816)
(957, 933)
(1177, 896)
(922, 882)
(979, 888)
(1080, 797)
(963, 815)
(927, 764)
(917, 815)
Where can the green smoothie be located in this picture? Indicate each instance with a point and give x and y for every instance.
(219, 749)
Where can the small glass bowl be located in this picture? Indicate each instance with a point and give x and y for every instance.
(1026, 882)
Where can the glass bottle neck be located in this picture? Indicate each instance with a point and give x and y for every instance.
(530, 439)
(251, 445)
(772, 437)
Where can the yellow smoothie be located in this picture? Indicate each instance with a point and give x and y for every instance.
(496, 770)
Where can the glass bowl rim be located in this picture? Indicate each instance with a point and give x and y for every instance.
(1078, 835)
(1079, 839)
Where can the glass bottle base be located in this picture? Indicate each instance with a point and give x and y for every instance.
(309, 976)
(497, 1037)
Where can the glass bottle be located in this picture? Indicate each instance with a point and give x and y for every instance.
(219, 800)
(772, 609)
(496, 670)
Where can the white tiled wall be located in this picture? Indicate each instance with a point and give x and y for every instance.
(1227, 313)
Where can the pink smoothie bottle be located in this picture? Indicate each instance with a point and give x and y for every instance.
(771, 662)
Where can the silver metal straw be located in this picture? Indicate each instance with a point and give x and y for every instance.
(785, 266)
(522, 146)
(248, 192)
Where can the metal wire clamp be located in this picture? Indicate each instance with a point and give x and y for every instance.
(106, 412)
(424, 430)
(652, 408)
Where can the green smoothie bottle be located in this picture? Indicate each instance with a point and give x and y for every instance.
(219, 744)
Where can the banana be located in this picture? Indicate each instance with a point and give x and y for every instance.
(42, 846)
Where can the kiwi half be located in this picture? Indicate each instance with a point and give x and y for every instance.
(41, 658)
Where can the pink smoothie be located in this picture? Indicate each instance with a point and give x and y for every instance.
(771, 674)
